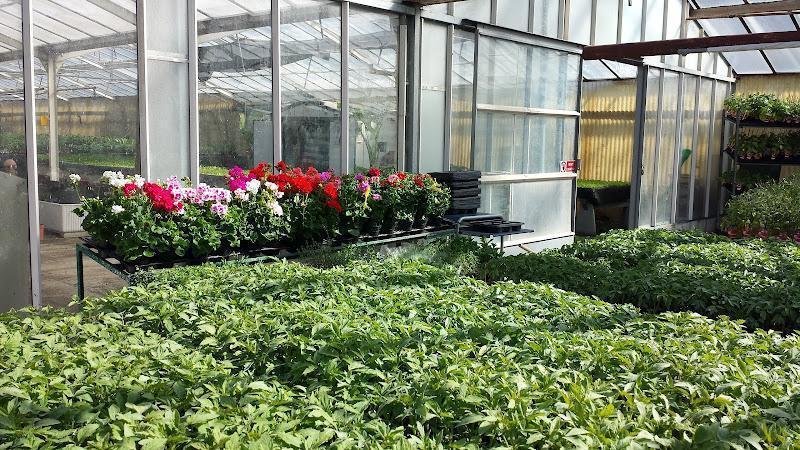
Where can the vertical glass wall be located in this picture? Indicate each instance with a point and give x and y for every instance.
(234, 86)
(683, 126)
(87, 114)
(374, 74)
(87, 102)
(15, 267)
(311, 82)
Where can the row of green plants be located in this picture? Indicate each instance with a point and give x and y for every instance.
(744, 179)
(391, 354)
(755, 281)
(71, 143)
(767, 146)
(772, 210)
(762, 106)
(290, 207)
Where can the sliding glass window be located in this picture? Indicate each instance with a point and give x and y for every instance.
(311, 82)
(527, 108)
(235, 85)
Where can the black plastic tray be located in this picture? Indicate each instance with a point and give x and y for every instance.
(463, 184)
(466, 203)
(462, 193)
(494, 226)
(466, 175)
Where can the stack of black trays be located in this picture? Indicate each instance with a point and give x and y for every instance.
(465, 187)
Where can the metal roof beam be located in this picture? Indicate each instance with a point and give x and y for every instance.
(739, 42)
(746, 10)
(115, 9)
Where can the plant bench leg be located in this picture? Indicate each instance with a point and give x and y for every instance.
(79, 264)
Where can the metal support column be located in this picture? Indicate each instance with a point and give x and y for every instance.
(30, 143)
(638, 146)
(277, 126)
(194, 107)
(345, 165)
(53, 65)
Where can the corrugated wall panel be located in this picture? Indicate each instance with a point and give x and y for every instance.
(607, 120)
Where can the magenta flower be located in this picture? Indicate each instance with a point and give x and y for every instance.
(363, 186)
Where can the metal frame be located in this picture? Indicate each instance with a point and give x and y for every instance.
(30, 140)
(657, 150)
(194, 107)
(677, 148)
(277, 107)
(692, 160)
(344, 164)
(143, 163)
(448, 99)
(638, 145)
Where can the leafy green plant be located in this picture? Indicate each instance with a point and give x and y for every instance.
(770, 210)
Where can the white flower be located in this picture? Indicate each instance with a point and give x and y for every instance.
(253, 186)
(118, 182)
(74, 178)
(276, 208)
(241, 195)
(279, 195)
(116, 209)
(271, 186)
(138, 180)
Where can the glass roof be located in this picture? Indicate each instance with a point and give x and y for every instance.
(754, 61)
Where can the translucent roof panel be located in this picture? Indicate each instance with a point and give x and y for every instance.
(596, 70)
(753, 61)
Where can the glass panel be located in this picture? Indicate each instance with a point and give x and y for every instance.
(673, 30)
(606, 27)
(235, 84)
(530, 200)
(687, 148)
(716, 147)
(495, 199)
(544, 136)
(477, 10)
(374, 73)
(769, 24)
(167, 38)
(691, 60)
(596, 70)
(666, 151)
(15, 255)
(748, 62)
(631, 21)
(311, 83)
(87, 114)
(649, 149)
(169, 121)
(784, 60)
(432, 109)
(655, 20)
(513, 14)
(498, 149)
(521, 75)
(579, 21)
(702, 149)
(463, 74)
(545, 17)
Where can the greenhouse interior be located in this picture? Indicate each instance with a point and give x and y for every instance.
(435, 224)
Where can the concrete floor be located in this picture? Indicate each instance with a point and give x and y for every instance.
(59, 279)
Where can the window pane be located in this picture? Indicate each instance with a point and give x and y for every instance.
(235, 83)
(529, 200)
(545, 18)
(666, 151)
(649, 149)
(655, 20)
(687, 149)
(432, 104)
(579, 21)
(477, 10)
(87, 109)
(373, 88)
(606, 27)
(702, 149)
(15, 273)
(311, 82)
(513, 14)
(631, 21)
(463, 74)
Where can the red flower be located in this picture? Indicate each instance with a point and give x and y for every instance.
(334, 204)
(260, 171)
(331, 191)
(161, 198)
(129, 189)
(401, 175)
(418, 180)
(311, 171)
(281, 166)
(374, 172)
(301, 184)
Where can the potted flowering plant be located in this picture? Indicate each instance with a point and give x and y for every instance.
(354, 197)
(311, 198)
(437, 203)
(259, 199)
